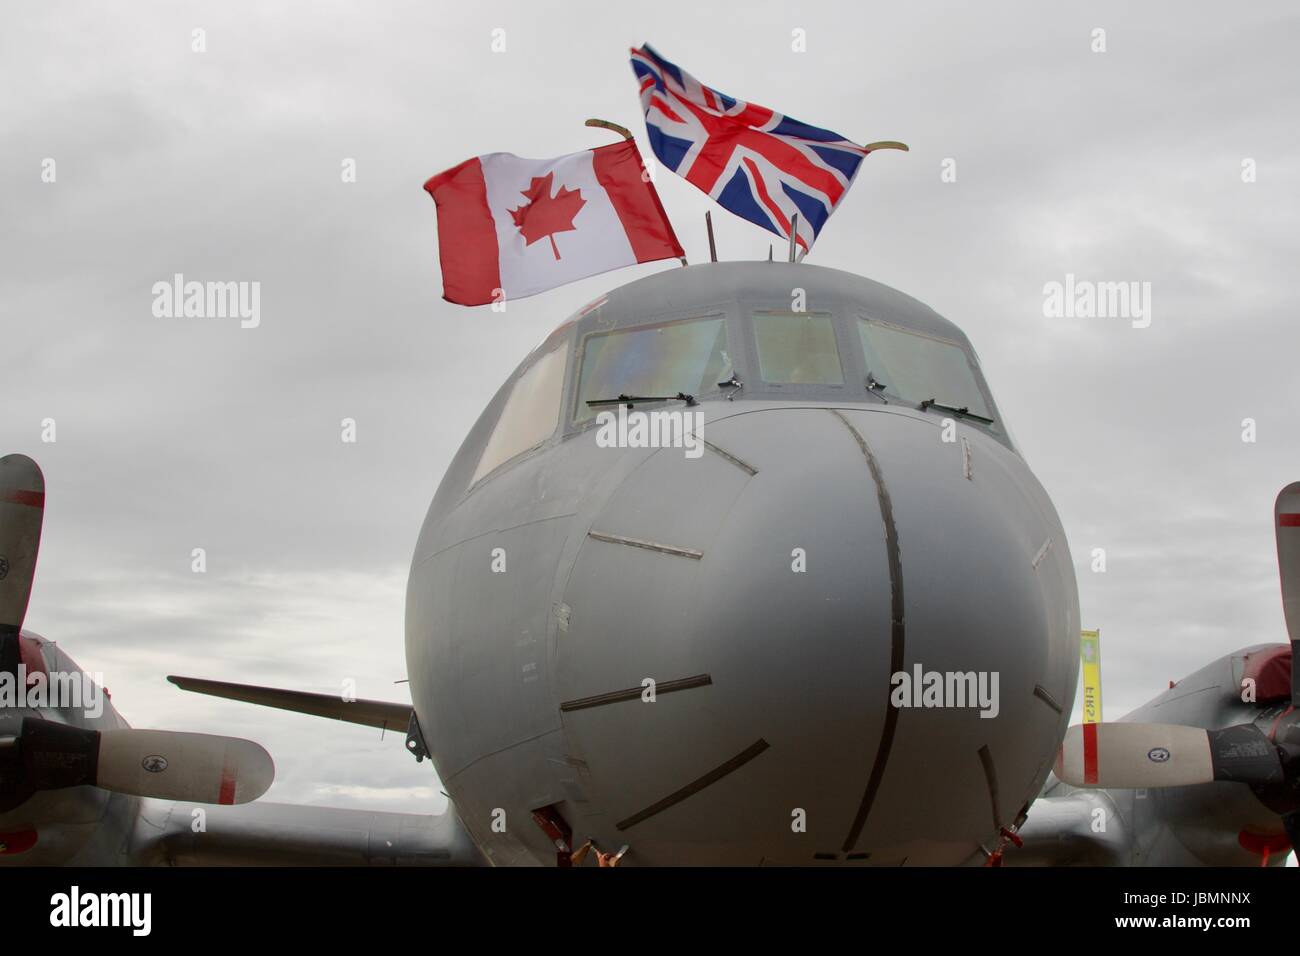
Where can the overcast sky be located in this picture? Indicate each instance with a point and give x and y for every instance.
(178, 433)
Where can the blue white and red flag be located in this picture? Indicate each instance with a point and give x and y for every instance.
(753, 161)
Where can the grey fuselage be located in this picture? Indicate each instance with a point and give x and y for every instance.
(767, 590)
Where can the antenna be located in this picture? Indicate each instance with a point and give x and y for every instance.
(708, 224)
(794, 231)
(769, 252)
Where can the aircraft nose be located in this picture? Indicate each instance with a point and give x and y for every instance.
(792, 595)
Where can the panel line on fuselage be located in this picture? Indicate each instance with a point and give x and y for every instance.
(991, 778)
(897, 635)
(634, 693)
(728, 456)
(695, 786)
(1041, 693)
(646, 545)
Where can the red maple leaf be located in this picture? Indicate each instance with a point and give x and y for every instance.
(544, 215)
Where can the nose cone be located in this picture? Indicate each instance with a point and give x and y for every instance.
(774, 589)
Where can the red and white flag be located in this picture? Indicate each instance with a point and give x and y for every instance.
(510, 227)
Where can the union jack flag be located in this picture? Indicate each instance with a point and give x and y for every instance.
(753, 161)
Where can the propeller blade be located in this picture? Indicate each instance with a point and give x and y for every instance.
(1286, 517)
(22, 508)
(197, 768)
(1126, 756)
(1123, 756)
(171, 765)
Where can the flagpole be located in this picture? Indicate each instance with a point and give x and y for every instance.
(615, 128)
(708, 224)
(794, 231)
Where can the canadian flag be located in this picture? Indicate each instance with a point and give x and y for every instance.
(510, 227)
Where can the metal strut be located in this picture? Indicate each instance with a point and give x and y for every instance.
(415, 745)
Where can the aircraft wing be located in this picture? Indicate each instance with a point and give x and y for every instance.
(275, 834)
(278, 834)
(371, 713)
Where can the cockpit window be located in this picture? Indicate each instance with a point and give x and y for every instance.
(530, 413)
(797, 348)
(913, 367)
(689, 356)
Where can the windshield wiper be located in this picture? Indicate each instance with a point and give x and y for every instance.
(962, 411)
(631, 400)
(734, 383)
